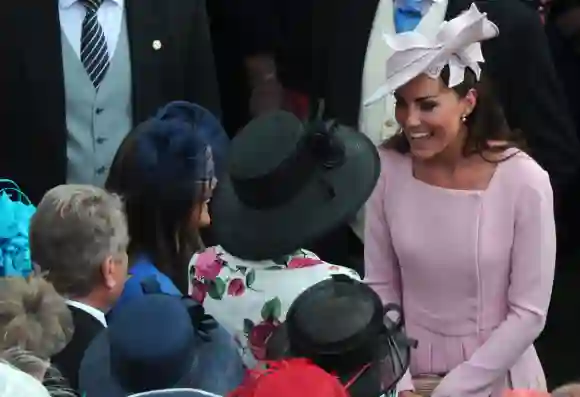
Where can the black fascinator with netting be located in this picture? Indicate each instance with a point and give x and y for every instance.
(342, 326)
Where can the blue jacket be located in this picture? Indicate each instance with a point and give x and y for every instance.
(142, 269)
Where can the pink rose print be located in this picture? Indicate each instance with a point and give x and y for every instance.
(259, 336)
(236, 287)
(200, 291)
(208, 265)
(298, 263)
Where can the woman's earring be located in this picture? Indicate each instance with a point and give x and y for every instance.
(464, 118)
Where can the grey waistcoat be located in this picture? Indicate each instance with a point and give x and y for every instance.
(96, 120)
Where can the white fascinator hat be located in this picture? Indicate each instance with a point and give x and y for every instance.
(456, 44)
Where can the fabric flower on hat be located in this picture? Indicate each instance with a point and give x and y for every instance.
(457, 45)
(15, 218)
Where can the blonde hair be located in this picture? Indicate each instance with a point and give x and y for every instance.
(74, 230)
(570, 390)
(33, 317)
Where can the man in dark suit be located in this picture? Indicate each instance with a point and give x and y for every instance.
(78, 236)
(77, 75)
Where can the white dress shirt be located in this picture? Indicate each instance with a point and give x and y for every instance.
(110, 16)
(96, 313)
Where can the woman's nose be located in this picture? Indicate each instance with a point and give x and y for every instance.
(412, 117)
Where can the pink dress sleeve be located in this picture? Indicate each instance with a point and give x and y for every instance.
(531, 276)
(381, 265)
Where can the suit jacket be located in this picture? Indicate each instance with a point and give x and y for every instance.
(518, 62)
(32, 98)
(68, 361)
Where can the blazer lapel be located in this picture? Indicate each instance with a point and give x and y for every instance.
(148, 24)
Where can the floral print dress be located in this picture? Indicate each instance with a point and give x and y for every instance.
(250, 299)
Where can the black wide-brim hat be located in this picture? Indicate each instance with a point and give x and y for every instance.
(289, 183)
(342, 326)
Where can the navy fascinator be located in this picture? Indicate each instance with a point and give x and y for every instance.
(183, 144)
(205, 125)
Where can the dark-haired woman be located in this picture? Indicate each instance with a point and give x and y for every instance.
(164, 170)
(460, 227)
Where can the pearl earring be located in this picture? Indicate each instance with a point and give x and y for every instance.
(464, 118)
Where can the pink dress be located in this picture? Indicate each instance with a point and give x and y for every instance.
(472, 269)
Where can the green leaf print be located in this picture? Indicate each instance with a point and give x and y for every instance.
(250, 278)
(272, 310)
(217, 289)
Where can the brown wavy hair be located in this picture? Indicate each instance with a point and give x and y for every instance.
(485, 124)
(33, 317)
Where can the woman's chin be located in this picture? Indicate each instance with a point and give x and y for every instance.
(204, 221)
(423, 154)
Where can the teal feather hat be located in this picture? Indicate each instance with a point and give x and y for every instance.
(16, 210)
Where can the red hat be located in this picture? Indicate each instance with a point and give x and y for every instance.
(289, 378)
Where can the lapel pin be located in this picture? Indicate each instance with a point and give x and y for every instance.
(156, 45)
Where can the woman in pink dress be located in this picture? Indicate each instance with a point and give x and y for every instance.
(460, 227)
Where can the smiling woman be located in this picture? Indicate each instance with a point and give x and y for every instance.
(436, 119)
(461, 222)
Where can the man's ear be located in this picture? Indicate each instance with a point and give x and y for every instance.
(108, 272)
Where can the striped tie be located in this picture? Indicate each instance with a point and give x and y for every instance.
(94, 53)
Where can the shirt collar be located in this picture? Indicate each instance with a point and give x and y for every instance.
(424, 3)
(96, 313)
(64, 4)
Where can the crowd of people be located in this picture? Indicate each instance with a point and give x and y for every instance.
(265, 199)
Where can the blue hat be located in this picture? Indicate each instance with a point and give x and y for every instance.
(202, 123)
(16, 210)
(165, 158)
(184, 144)
(158, 342)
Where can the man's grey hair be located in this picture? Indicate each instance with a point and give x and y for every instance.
(74, 230)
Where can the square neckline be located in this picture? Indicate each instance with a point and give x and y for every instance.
(509, 154)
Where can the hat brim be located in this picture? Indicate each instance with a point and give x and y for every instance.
(260, 234)
(175, 393)
(96, 377)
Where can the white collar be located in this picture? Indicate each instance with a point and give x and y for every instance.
(96, 313)
(68, 3)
